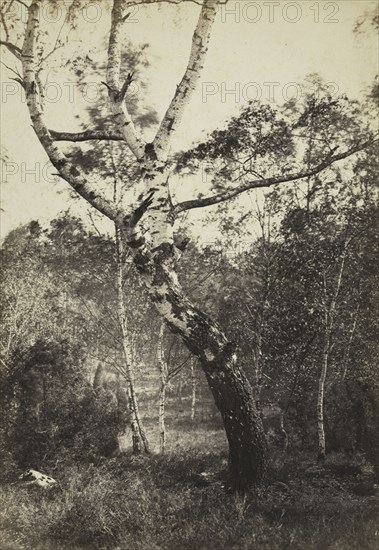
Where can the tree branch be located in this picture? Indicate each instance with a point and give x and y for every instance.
(72, 174)
(15, 50)
(268, 182)
(86, 135)
(117, 92)
(186, 87)
(139, 212)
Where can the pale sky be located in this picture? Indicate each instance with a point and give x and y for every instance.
(257, 50)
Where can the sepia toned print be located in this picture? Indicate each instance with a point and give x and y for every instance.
(189, 274)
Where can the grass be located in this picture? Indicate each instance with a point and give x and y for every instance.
(140, 503)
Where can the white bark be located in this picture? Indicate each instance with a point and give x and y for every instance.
(186, 87)
(329, 314)
(72, 174)
(138, 432)
(193, 396)
(320, 397)
(117, 92)
(155, 255)
(162, 392)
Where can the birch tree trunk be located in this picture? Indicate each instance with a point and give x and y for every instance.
(320, 397)
(162, 392)
(139, 438)
(329, 314)
(193, 397)
(345, 363)
(205, 339)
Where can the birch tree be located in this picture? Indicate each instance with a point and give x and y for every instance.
(167, 372)
(329, 311)
(139, 437)
(147, 221)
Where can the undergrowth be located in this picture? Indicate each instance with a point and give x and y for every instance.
(162, 502)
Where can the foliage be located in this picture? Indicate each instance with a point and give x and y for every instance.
(52, 413)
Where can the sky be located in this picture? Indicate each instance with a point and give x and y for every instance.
(258, 50)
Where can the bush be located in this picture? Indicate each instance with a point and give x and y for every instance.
(53, 413)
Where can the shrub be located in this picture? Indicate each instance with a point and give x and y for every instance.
(53, 413)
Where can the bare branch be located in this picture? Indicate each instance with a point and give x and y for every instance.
(19, 77)
(172, 373)
(72, 174)
(186, 87)
(268, 182)
(117, 93)
(139, 212)
(22, 4)
(15, 50)
(86, 135)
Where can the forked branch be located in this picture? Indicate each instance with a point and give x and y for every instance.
(71, 173)
(116, 91)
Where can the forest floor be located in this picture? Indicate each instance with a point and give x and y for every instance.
(162, 502)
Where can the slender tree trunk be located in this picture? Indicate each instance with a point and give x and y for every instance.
(162, 392)
(180, 396)
(329, 313)
(139, 438)
(136, 434)
(193, 397)
(350, 341)
(320, 398)
(162, 413)
(258, 371)
(283, 432)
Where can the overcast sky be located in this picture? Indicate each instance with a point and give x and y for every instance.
(257, 50)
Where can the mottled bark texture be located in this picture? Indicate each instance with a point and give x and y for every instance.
(204, 337)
